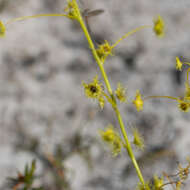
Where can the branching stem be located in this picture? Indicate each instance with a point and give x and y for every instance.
(114, 104)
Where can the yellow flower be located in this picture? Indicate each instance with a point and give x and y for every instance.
(112, 138)
(183, 105)
(120, 93)
(179, 64)
(108, 135)
(104, 50)
(95, 90)
(138, 140)
(2, 29)
(71, 9)
(138, 102)
(159, 26)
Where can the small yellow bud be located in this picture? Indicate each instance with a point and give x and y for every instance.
(112, 138)
(71, 9)
(2, 29)
(179, 64)
(138, 140)
(138, 102)
(159, 26)
(120, 93)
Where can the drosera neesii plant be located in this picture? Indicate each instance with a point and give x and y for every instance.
(104, 93)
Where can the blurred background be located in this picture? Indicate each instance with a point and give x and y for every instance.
(44, 114)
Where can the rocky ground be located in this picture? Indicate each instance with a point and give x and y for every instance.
(43, 108)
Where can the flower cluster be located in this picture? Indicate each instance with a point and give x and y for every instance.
(104, 50)
(71, 9)
(121, 93)
(112, 138)
(138, 140)
(155, 184)
(179, 178)
(158, 183)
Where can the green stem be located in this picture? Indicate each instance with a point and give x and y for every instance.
(34, 16)
(187, 63)
(130, 33)
(92, 47)
(128, 145)
(167, 97)
(188, 70)
(114, 105)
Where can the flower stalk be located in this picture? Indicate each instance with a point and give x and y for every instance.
(108, 86)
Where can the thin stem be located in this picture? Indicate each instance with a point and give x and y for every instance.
(110, 100)
(114, 104)
(130, 33)
(33, 16)
(128, 145)
(168, 97)
(187, 63)
(92, 47)
(168, 183)
(188, 74)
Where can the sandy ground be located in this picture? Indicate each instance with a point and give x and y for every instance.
(42, 65)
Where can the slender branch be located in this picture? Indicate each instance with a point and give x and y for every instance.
(34, 16)
(167, 97)
(187, 63)
(130, 33)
